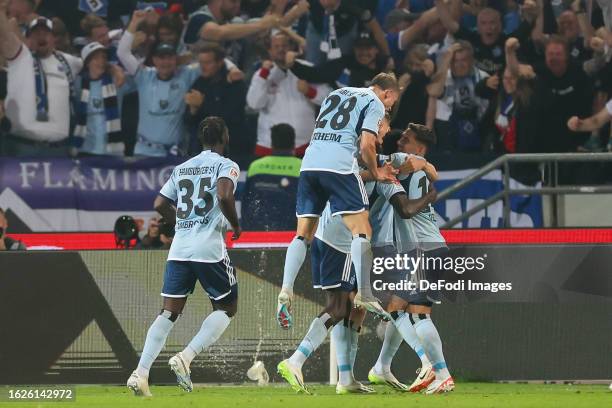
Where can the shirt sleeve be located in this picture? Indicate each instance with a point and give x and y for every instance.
(230, 170)
(169, 189)
(388, 190)
(375, 112)
(609, 107)
(192, 33)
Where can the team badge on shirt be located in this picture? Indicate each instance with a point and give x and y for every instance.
(163, 103)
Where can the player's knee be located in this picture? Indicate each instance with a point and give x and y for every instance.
(170, 315)
(230, 309)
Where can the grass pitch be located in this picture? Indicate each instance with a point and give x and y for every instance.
(465, 395)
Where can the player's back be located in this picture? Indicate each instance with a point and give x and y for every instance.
(200, 224)
(344, 114)
(425, 227)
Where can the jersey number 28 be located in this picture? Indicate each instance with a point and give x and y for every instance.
(343, 113)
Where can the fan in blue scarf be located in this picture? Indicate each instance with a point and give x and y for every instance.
(111, 109)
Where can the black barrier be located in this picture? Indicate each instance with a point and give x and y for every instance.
(81, 317)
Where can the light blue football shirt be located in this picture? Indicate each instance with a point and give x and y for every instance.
(344, 114)
(424, 222)
(161, 108)
(200, 224)
(381, 212)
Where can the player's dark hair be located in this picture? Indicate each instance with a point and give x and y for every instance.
(211, 131)
(423, 134)
(389, 145)
(214, 49)
(385, 81)
(283, 137)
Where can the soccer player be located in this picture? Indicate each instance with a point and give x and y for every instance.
(329, 173)
(415, 325)
(203, 189)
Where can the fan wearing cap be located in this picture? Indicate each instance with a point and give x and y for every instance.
(161, 90)
(40, 87)
(99, 89)
(355, 69)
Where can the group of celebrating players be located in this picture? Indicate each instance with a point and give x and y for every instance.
(353, 204)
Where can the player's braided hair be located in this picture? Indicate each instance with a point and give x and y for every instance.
(211, 131)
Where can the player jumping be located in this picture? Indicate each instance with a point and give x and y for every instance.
(203, 190)
(329, 172)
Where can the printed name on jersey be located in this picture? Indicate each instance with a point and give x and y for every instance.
(187, 224)
(328, 137)
(196, 171)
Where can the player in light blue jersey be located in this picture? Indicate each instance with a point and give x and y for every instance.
(391, 201)
(199, 195)
(413, 322)
(348, 124)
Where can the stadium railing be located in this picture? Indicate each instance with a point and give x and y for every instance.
(549, 165)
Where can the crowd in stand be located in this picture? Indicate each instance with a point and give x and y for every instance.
(110, 77)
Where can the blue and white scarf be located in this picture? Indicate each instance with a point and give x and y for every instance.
(40, 81)
(111, 108)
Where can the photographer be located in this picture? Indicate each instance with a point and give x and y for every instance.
(7, 243)
(159, 235)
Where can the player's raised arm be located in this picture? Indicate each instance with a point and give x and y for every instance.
(385, 174)
(227, 203)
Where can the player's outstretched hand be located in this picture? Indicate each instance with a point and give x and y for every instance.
(236, 233)
(386, 174)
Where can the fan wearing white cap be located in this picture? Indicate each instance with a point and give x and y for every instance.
(40, 84)
(99, 92)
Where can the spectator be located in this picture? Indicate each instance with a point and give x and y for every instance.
(95, 30)
(459, 108)
(412, 105)
(161, 90)
(356, 69)
(154, 237)
(488, 41)
(98, 106)
(7, 243)
(562, 90)
(279, 96)
(213, 95)
(40, 88)
(271, 186)
(169, 29)
(333, 26)
(577, 31)
(63, 41)
(217, 22)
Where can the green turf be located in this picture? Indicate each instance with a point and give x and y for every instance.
(465, 395)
